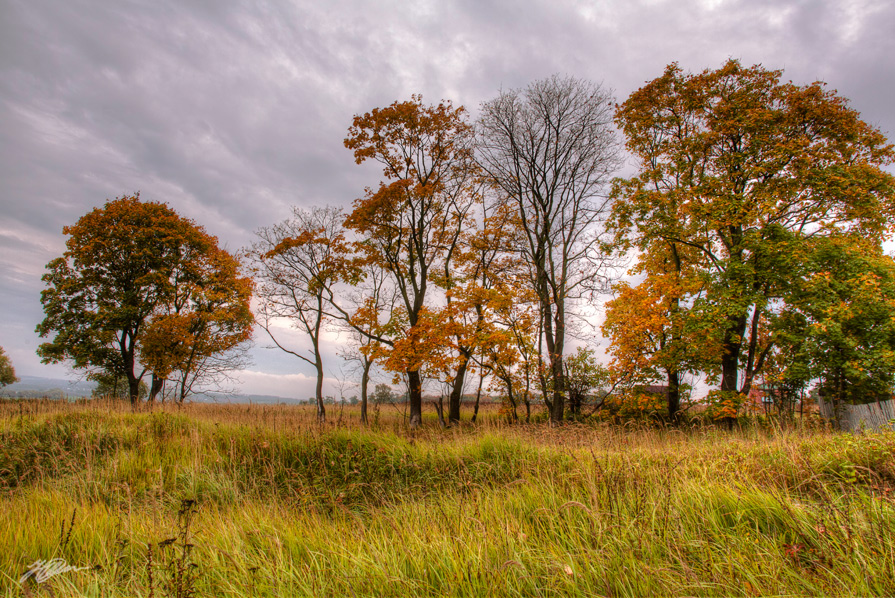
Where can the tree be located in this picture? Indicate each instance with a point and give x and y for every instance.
(408, 224)
(128, 266)
(583, 376)
(479, 279)
(743, 170)
(294, 263)
(383, 394)
(508, 324)
(653, 331)
(116, 387)
(839, 322)
(550, 150)
(200, 334)
(7, 372)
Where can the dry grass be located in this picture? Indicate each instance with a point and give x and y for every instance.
(286, 507)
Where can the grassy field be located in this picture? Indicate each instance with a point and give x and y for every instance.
(261, 501)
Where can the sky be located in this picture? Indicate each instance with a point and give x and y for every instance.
(233, 112)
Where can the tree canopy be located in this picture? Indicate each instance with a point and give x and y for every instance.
(755, 218)
(738, 172)
(140, 288)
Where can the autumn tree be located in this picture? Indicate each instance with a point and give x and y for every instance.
(7, 372)
(125, 265)
(550, 150)
(294, 264)
(507, 309)
(654, 333)
(743, 169)
(408, 224)
(480, 278)
(199, 335)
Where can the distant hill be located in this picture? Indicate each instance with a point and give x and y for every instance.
(35, 387)
(215, 397)
(56, 388)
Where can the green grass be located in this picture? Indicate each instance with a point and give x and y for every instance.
(284, 507)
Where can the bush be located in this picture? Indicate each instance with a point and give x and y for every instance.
(634, 406)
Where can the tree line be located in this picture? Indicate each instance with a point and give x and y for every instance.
(754, 221)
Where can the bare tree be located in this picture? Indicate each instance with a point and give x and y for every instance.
(357, 360)
(551, 149)
(216, 372)
(293, 263)
(374, 295)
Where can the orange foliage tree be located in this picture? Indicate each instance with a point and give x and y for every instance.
(652, 329)
(480, 279)
(507, 308)
(407, 225)
(200, 335)
(132, 267)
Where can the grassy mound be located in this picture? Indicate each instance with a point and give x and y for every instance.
(236, 501)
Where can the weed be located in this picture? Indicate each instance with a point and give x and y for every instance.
(175, 556)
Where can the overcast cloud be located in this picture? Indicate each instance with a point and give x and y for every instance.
(233, 111)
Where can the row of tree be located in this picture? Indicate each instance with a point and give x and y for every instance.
(755, 219)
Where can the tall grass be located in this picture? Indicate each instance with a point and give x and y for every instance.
(285, 507)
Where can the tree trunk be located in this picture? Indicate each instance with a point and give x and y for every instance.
(554, 334)
(729, 370)
(478, 396)
(457, 391)
(415, 395)
(133, 386)
(514, 417)
(183, 388)
(364, 383)
(126, 347)
(559, 396)
(730, 359)
(321, 410)
(439, 408)
(674, 396)
(156, 388)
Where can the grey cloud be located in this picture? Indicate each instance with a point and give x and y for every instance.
(231, 112)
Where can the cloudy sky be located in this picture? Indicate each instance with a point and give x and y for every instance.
(232, 112)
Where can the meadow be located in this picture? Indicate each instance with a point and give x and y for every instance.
(253, 500)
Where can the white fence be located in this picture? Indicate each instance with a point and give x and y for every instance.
(854, 418)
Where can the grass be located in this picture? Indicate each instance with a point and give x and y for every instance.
(284, 507)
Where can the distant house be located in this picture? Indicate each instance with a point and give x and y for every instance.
(777, 398)
(763, 395)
